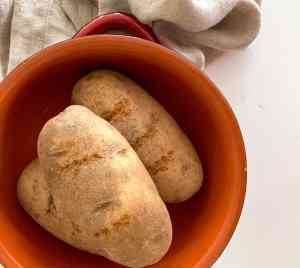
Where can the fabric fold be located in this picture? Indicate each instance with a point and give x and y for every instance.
(187, 26)
(190, 27)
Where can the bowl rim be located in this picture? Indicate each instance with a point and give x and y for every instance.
(231, 221)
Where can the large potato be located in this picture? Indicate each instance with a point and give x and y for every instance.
(159, 142)
(90, 189)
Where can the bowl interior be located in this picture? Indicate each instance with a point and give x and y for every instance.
(41, 87)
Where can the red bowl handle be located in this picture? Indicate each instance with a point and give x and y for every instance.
(117, 21)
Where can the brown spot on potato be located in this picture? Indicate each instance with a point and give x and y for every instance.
(150, 132)
(117, 225)
(158, 238)
(58, 152)
(121, 109)
(102, 206)
(105, 231)
(122, 151)
(185, 168)
(161, 164)
(77, 163)
(76, 227)
(51, 208)
(123, 221)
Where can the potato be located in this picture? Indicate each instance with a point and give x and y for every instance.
(162, 146)
(90, 189)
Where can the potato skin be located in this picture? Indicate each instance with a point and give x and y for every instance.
(97, 195)
(32, 188)
(162, 146)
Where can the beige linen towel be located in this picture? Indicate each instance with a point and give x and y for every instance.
(187, 26)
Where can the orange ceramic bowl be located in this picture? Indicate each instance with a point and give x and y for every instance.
(41, 87)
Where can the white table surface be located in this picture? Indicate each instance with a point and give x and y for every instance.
(262, 84)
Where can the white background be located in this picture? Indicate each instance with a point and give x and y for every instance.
(263, 85)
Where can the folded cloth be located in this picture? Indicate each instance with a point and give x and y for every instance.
(187, 26)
